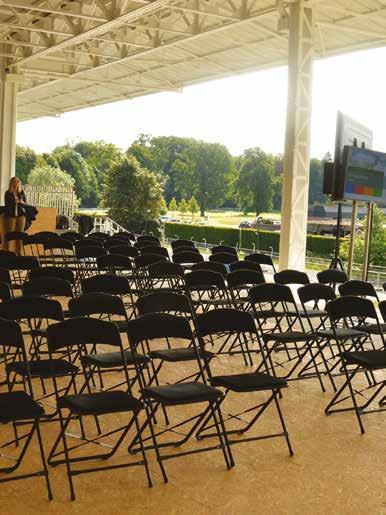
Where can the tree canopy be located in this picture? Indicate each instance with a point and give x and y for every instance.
(132, 194)
(47, 175)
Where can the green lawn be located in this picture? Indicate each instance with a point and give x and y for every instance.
(230, 218)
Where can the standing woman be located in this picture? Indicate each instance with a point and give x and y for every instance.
(14, 218)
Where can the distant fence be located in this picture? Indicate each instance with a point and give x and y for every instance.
(63, 198)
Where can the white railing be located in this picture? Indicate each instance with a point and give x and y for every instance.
(62, 198)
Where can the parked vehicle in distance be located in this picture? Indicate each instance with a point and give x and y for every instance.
(245, 224)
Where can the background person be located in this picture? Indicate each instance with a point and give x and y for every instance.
(14, 217)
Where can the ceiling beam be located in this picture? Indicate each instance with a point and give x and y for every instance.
(48, 10)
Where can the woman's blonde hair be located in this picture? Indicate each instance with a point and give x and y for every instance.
(14, 181)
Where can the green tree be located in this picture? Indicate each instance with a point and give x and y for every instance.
(49, 176)
(99, 157)
(173, 206)
(183, 207)
(85, 180)
(26, 160)
(204, 169)
(255, 182)
(132, 194)
(378, 241)
(193, 206)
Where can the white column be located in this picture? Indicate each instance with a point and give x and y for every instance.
(297, 141)
(8, 113)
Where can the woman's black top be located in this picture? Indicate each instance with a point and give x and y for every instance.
(11, 207)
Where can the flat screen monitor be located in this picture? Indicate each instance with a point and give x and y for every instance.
(364, 175)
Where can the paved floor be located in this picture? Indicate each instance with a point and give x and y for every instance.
(335, 470)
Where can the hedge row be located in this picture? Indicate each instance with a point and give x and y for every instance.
(319, 246)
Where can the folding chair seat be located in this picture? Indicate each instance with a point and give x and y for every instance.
(144, 331)
(212, 266)
(356, 359)
(239, 325)
(261, 259)
(181, 243)
(287, 343)
(207, 290)
(79, 334)
(114, 285)
(245, 265)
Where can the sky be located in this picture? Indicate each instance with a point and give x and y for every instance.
(240, 112)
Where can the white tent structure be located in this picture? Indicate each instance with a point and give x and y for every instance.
(61, 55)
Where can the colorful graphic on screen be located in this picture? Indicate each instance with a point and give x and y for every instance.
(365, 175)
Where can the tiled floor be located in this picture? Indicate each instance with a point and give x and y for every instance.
(335, 470)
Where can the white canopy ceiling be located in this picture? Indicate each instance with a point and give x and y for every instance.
(72, 54)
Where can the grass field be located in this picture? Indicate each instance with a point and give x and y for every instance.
(230, 218)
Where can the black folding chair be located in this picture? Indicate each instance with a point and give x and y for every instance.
(148, 237)
(144, 331)
(112, 284)
(261, 259)
(207, 290)
(286, 342)
(19, 267)
(124, 250)
(239, 283)
(221, 249)
(165, 276)
(86, 260)
(156, 250)
(78, 334)
(187, 258)
(179, 250)
(18, 407)
(226, 258)
(239, 326)
(354, 311)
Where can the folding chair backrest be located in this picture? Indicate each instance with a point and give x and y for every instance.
(96, 304)
(106, 283)
(148, 237)
(48, 286)
(124, 250)
(11, 334)
(148, 259)
(53, 271)
(316, 292)
(89, 252)
(72, 236)
(5, 276)
(181, 243)
(15, 236)
(221, 249)
(225, 320)
(82, 331)
(179, 250)
(358, 288)
(31, 307)
(213, 266)
(5, 291)
(245, 265)
(261, 259)
(165, 269)
(382, 309)
(113, 262)
(224, 257)
(350, 307)
(245, 277)
(204, 279)
(158, 325)
(164, 302)
(291, 277)
(332, 277)
(88, 242)
(155, 249)
(272, 293)
(185, 258)
(22, 263)
(58, 244)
